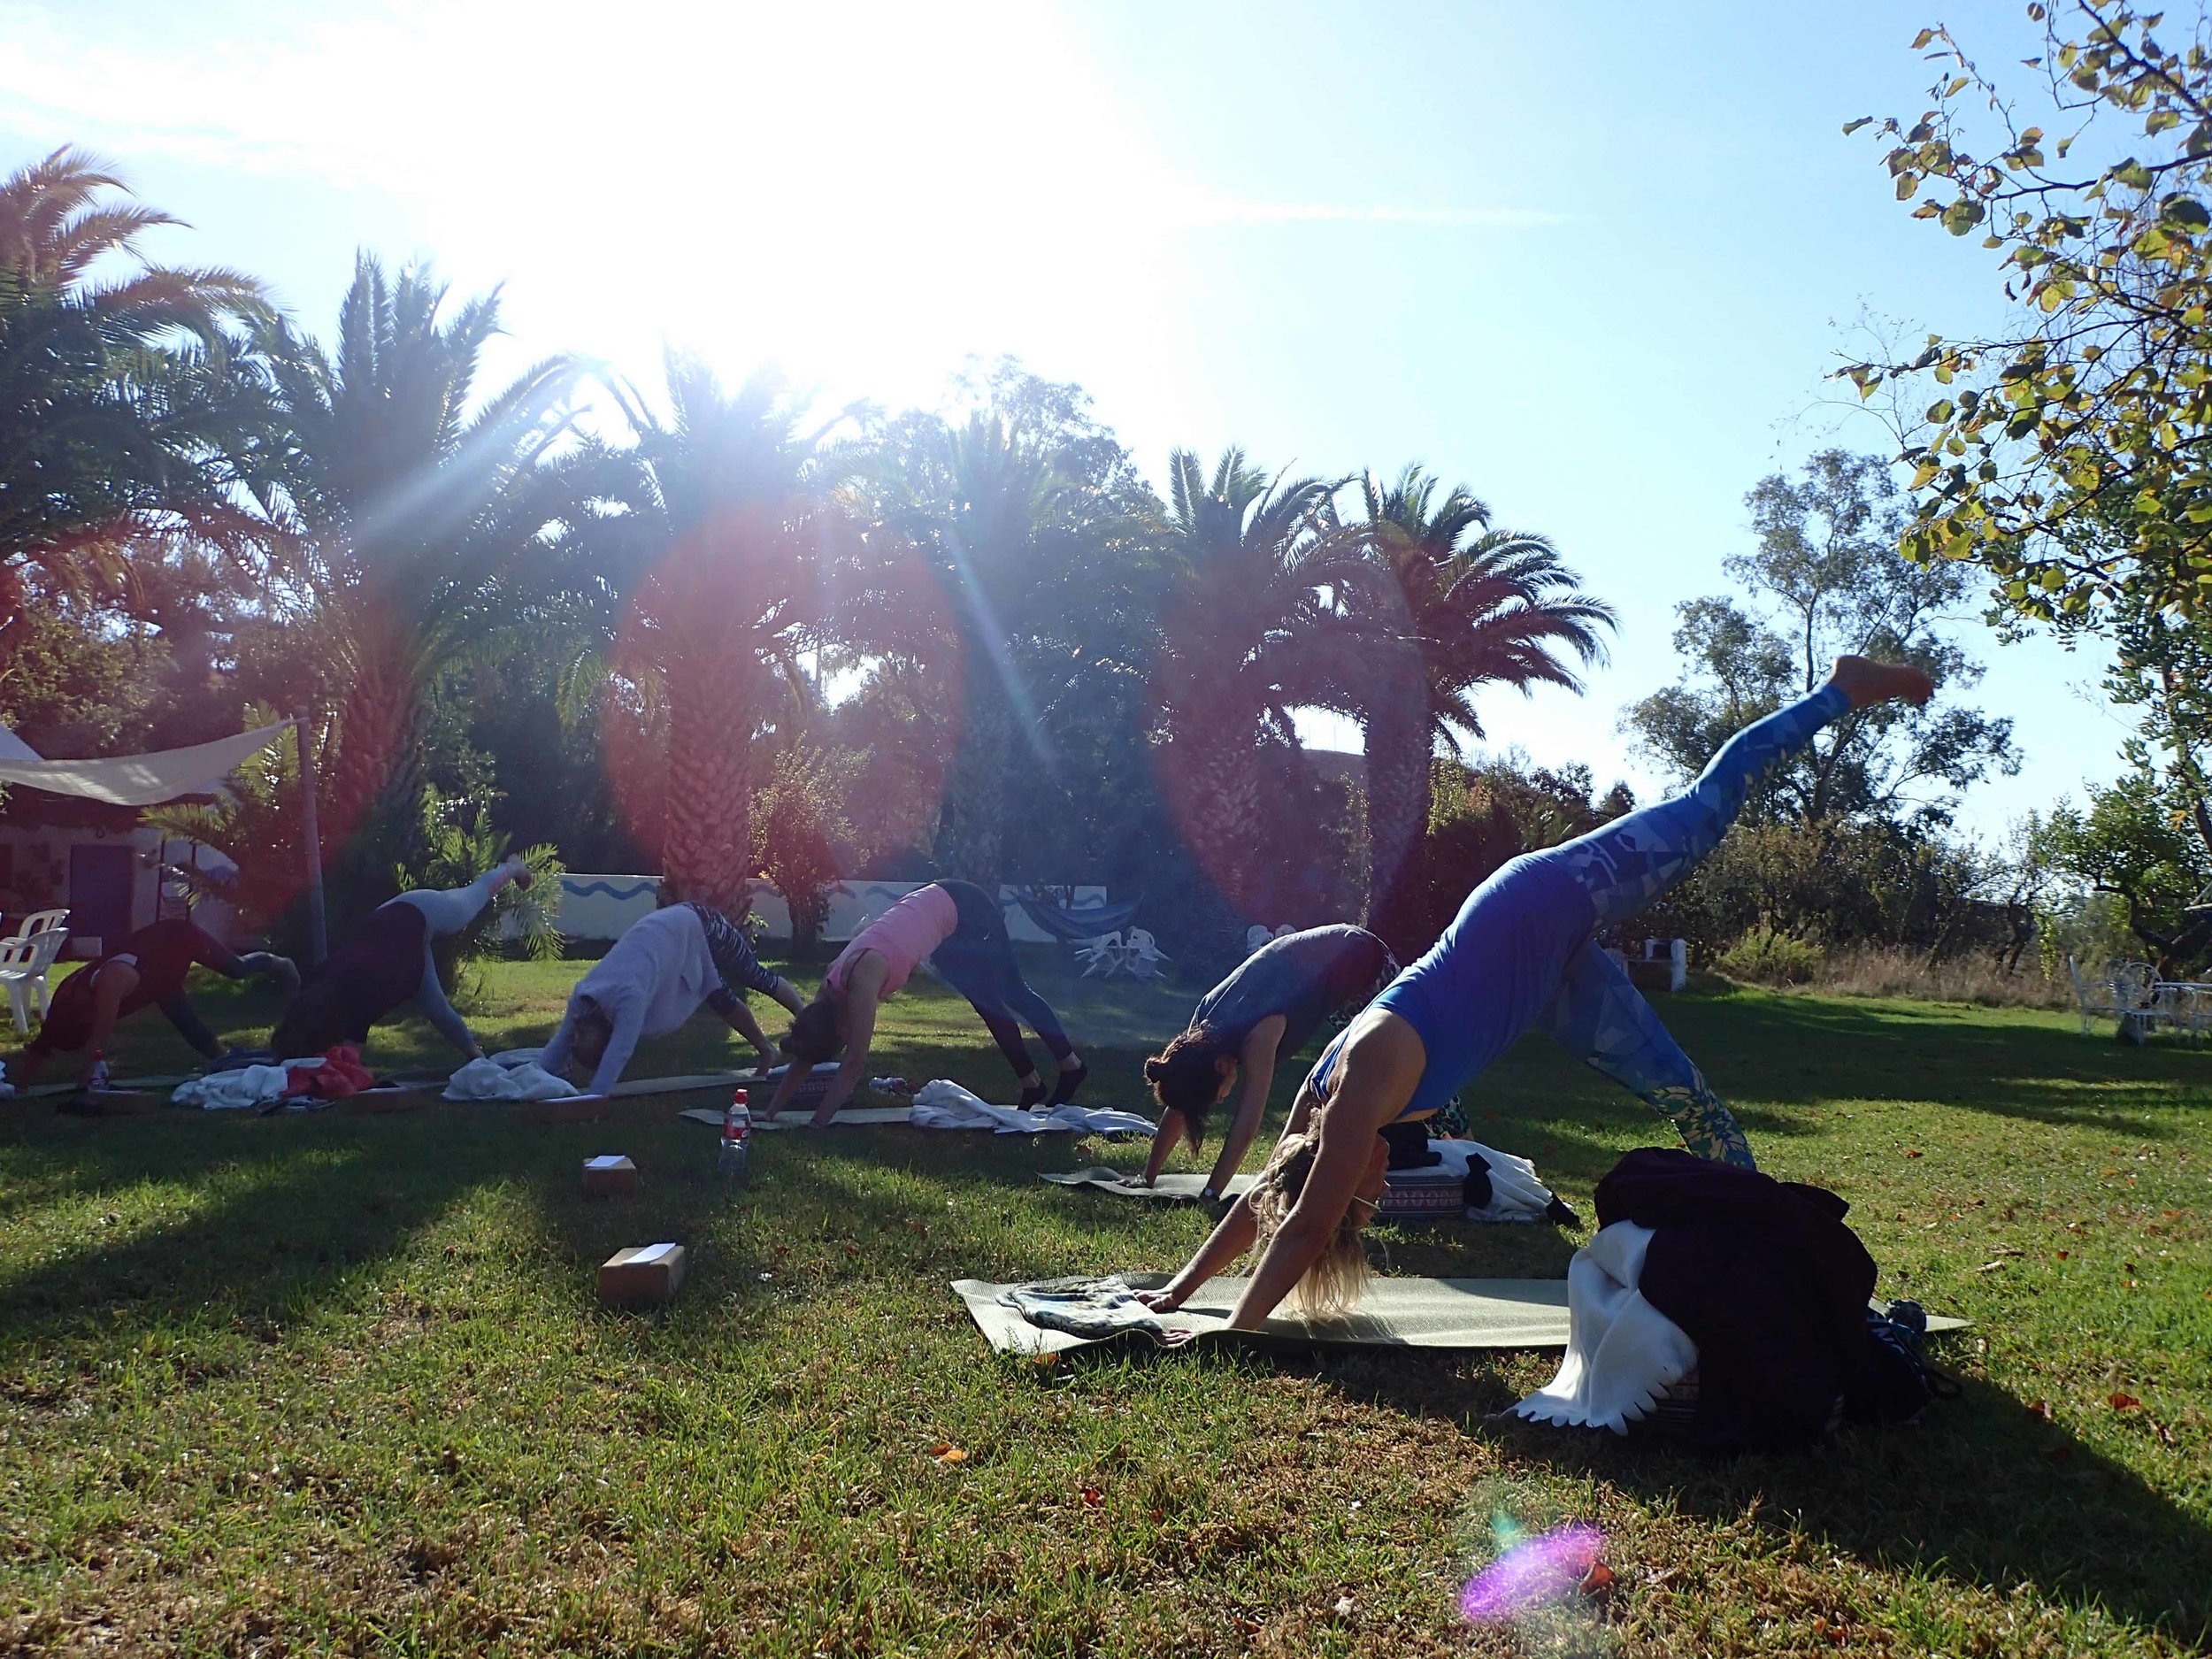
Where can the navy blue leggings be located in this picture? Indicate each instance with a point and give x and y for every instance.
(978, 961)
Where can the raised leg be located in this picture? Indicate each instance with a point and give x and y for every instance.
(1603, 1020)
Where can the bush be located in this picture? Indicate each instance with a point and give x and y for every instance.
(1768, 956)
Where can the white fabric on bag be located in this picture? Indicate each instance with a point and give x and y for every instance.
(941, 1104)
(487, 1079)
(1516, 1194)
(143, 780)
(1623, 1353)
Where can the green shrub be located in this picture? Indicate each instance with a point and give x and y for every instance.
(1770, 957)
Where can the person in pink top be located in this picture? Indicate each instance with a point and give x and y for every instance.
(962, 929)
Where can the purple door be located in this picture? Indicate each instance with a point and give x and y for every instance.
(100, 883)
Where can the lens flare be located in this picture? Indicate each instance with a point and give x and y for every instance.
(1539, 1570)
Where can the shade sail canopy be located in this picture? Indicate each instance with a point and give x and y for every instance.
(136, 779)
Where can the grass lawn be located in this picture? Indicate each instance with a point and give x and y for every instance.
(339, 1384)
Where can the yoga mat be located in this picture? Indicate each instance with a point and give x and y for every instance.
(1445, 1313)
(849, 1117)
(1174, 1189)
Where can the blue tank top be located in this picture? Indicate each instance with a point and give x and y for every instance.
(1488, 978)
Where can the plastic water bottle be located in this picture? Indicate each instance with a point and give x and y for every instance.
(101, 1077)
(737, 1135)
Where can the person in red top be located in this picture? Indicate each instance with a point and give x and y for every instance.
(146, 970)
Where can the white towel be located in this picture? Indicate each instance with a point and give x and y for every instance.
(1623, 1353)
(1516, 1194)
(233, 1091)
(489, 1080)
(945, 1105)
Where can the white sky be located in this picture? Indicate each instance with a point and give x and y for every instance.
(1593, 262)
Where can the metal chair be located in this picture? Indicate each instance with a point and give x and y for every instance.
(2092, 1002)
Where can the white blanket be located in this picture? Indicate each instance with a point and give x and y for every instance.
(1623, 1353)
(489, 1080)
(945, 1105)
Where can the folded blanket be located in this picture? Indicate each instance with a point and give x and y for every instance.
(1092, 1309)
(1623, 1353)
(945, 1105)
(487, 1079)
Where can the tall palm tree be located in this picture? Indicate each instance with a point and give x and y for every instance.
(1256, 627)
(123, 411)
(992, 518)
(409, 504)
(1457, 605)
(710, 583)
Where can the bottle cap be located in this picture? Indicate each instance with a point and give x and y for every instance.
(737, 1098)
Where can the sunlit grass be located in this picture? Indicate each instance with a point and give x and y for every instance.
(339, 1383)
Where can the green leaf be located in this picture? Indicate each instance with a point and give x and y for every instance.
(1907, 183)
(1850, 127)
(1961, 216)
(1922, 39)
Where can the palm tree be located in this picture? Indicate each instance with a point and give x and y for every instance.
(410, 506)
(123, 411)
(707, 586)
(1457, 605)
(1256, 627)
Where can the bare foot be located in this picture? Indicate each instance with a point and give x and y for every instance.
(1865, 681)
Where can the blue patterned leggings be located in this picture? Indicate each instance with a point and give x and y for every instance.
(1597, 1014)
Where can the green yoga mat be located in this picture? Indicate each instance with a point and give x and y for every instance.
(1443, 1313)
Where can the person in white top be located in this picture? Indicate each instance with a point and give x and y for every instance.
(654, 978)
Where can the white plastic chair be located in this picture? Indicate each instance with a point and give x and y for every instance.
(24, 977)
(1104, 953)
(41, 921)
(1144, 955)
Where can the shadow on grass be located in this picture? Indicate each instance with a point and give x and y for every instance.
(276, 1212)
(1983, 1491)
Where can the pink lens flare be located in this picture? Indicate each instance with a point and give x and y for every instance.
(1542, 1569)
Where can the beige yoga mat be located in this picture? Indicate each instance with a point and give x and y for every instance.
(1445, 1313)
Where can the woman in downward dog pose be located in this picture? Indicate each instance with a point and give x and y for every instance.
(962, 931)
(1270, 1006)
(1521, 952)
(388, 961)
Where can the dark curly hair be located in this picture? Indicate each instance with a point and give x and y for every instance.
(814, 1036)
(1186, 1078)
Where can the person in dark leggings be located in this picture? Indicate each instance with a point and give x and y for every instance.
(146, 970)
(388, 961)
(1522, 952)
(1270, 1006)
(962, 930)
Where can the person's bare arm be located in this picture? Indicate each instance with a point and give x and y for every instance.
(862, 986)
(1231, 1238)
(1257, 1061)
(788, 994)
(1163, 1139)
(1379, 1069)
(786, 1085)
(117, 981)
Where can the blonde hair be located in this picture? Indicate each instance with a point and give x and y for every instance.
(1337, 1278)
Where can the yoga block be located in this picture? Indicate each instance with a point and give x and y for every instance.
(643, 1276)
(573, 1109)
(1416, 1195)
(609, 1173)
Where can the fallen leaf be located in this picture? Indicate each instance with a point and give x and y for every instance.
(1989, 1267)
(1912, 1152)
(949, 1453)
(2122, 1401)
(852, 1250)
(2171, 1215)
(2063, 1255)
(1598, 1580)
(2165, 1434)
(2040, 1411)
(1344, 1607)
